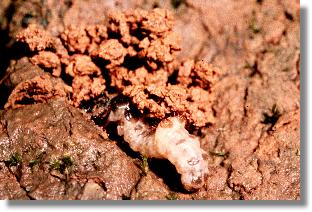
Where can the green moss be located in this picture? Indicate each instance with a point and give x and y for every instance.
(255, 27)
(144, 165)
(172, 196)
(56, 165)
(125, 197)
(67, 161)
(36, 161)
(62, 164)
(33, 163)
(14, 160)
(220, 154)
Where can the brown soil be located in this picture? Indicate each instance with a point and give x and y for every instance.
(236, 80)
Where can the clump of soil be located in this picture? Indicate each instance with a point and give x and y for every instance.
(247, 116)
(38, 89)
(133, 55)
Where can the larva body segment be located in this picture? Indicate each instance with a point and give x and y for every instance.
(170, 140)
(183, 150)
(139, 135)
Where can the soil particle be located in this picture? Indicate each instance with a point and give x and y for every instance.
(85, 88)
(36, 38)
(48, 60)
(81, 65)
(111, 50)
(76, 39)
(140, 76)
(36, 90)
(39, 39)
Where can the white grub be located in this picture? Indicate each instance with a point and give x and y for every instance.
(170, 140)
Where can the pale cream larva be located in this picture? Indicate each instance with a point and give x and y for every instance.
(170, 140)
(174, 143)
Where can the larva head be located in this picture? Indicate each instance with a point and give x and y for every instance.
(196, 171)
(121, 107)
(193, 181)
(119, 102)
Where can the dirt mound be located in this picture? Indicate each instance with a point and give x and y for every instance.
(248, 123)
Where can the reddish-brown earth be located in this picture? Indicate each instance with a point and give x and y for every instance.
(247, 116)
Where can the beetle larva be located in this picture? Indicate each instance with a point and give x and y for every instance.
(168, 140)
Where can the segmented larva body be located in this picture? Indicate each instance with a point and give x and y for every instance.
(169, 140)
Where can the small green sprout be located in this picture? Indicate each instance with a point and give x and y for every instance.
(56, 165)
(33, 163)
(14, 160)
(219, 154)
(67, 161)
(62, 164)
(144, 165)
(254, 26)
(172, 196)
(125, 197)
